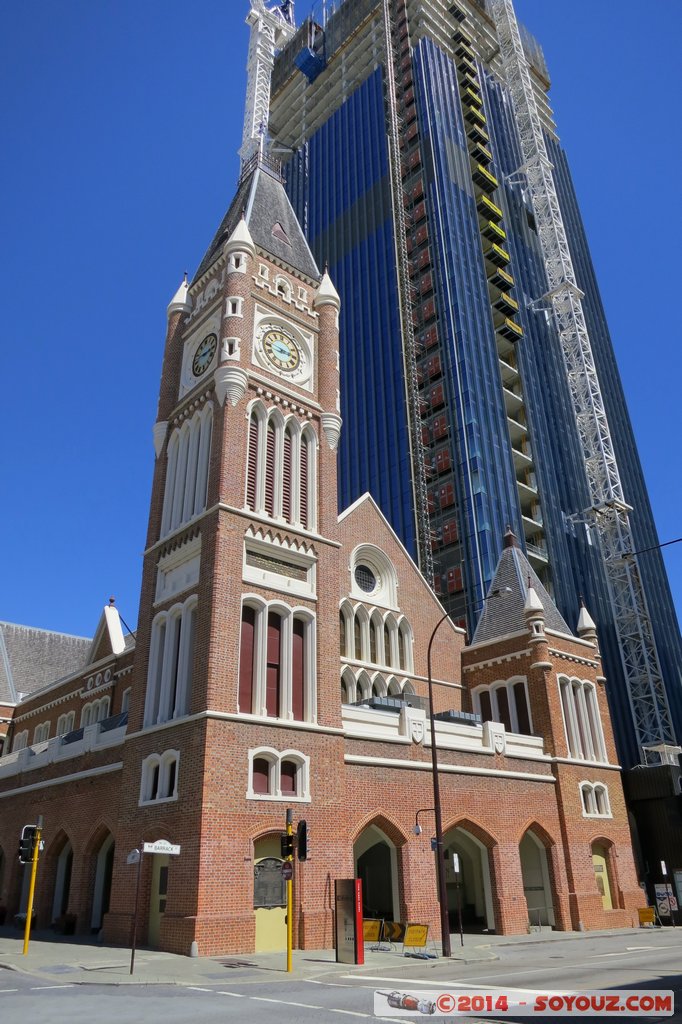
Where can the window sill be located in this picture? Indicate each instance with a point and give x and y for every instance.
(158, 800)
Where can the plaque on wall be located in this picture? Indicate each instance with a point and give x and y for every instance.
(269, 887)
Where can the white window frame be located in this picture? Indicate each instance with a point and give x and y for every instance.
(188, 455)
(287, 613)
(41, 733)
(301, 434)
(169, 681)
(592, 794)
(492, 690)
(163, 762)
(276, 758)
(583, 728)
(20, 741)
(66, 723)
(95, 711)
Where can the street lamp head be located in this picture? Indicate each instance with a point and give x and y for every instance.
(417, 830)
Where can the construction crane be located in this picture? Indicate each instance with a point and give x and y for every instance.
(271, 28)
(609, 511)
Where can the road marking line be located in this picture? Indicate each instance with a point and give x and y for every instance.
(237, 995)
(308, 1006)
(193, 988)
(43, 988)
(349, 1013)
(9, 989)
(284, 1002)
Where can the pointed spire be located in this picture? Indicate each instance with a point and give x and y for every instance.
(509, 540)
(586, 624)
(181, 302)
(327, 294)
(240, 239)
(533, 606)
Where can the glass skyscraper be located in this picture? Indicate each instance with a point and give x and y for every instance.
(402, 162)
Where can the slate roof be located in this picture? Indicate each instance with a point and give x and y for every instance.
(503, 608)
(32, 658)
(270, 218)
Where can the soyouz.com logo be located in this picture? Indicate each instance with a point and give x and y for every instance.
(516, 1003)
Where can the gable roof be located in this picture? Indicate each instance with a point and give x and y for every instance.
(504, 603)
(32, 658)
(262, 200)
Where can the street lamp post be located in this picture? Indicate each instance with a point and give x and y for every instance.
(440, 850)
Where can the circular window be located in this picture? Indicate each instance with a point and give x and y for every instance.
(365, 578)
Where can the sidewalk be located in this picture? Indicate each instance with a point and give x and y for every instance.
(60, 960)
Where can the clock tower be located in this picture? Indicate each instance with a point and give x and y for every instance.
(237, 646)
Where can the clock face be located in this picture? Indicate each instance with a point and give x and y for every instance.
(204, 354)
(281, 349)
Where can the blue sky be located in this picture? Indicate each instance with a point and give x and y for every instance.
(120, 130)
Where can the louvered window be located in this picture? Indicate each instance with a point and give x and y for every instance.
(304, 496)
(252, 464)
(270, 471)
(286, 478)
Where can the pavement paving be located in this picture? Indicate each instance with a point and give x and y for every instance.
(60, 959)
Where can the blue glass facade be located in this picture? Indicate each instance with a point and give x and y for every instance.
(340, 187)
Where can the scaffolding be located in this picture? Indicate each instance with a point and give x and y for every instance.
(419, 472)
(608, 512)
(271, 28)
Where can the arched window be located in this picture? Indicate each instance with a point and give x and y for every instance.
(342, 634)
(582, 722)
(169, 678)
(261, 775)
(20, 740)
(280, 478)
(188, 454)
(276, 662)
(357, 639)
(595, 800)
(41, 732)
(505, 702)
(65, 723)
(159, 777)
(275, 775)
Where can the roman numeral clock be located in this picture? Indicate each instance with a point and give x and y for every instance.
(284, 349)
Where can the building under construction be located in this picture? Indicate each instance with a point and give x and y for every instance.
(480, 386)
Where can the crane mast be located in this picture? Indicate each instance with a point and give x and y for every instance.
(609, 510)
(271, 28)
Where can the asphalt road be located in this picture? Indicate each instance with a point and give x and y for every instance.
(648, 960)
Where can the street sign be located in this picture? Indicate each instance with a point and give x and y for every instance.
(287, 871)
(161, 846)
(133, 857)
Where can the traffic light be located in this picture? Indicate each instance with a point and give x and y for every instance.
(26, 844)
(302, 840)
(286, 846)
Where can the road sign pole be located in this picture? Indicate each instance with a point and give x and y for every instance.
(137, 903)
(290, 897)
(31, 889)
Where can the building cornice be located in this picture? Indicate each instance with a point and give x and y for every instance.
(90, 773)
(445, 769)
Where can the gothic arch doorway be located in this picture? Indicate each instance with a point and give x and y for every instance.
(376, 864)
(536, 881)
(469, 889)
(269, 895)
(62, 882)
(104, 868)
(601, 865)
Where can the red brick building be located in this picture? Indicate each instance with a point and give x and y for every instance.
(280, 662)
